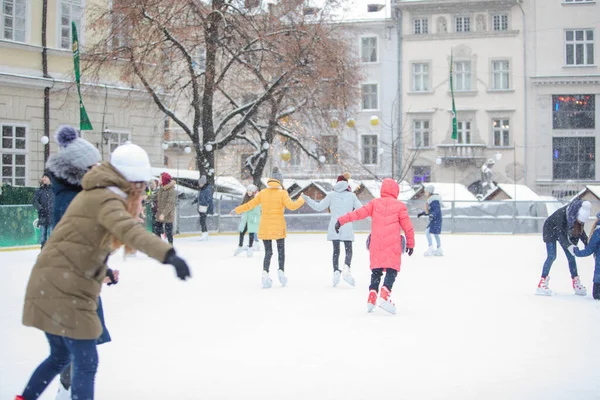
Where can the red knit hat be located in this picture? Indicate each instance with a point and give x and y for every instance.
(165, 178)
(342, 178)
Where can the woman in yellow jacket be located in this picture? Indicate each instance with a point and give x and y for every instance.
(274, 200)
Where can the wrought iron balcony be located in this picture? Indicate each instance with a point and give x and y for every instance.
(463, 154)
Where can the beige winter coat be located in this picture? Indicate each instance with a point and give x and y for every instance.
(166, 201)
(63, 289)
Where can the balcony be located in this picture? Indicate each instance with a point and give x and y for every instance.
(462, 155)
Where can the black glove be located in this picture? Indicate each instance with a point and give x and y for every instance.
(111, 276)
(409, 250)
(419, 215)
(182, 269)
(337, 226)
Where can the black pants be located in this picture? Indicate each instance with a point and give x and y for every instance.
(157, 228)
(269, 253)
(250, 237)
(203, 222)
(336, 253)
(388, 282)
(168, 229)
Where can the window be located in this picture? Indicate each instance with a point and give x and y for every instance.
(369, 149)
(500, 75)
(368, 49)
(116, 139)
(573, 158)
(420, 26)
(199, 61)
(421, 133)
(369, 96)
(574, 111)
(462, 75)
(119, 25)
(501, 131)
(420, 77)
(329, 146)
(578, 1)
(464, 132)
(462, 24)
(421, 174)
(579, 47)
(13, 163)
(70, 10)
(500, 22)
(246, 173)
(14, 20)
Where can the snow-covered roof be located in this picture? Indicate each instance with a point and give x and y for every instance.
(595, 189)
(374, 187)
(227, 183)
(453, 191)
(358, 11)
(519, 192)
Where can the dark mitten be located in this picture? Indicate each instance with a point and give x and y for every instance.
(419, 215)
(337, 226)
(181, 268)
(111, 276)
(409, 250)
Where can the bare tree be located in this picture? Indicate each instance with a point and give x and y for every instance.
(222, 72)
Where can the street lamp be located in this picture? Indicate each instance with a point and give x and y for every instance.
(165, 145)
(498, 156)
(44, 139)
(438, 160)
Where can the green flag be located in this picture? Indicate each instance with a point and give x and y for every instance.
(84, 121)
(454, 123)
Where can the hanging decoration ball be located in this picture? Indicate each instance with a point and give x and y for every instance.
(285, 119)
(208, 147)
(165, 146)
(351, 123)
(322, 159)
(286, 155)
(438, 160)
(380, 150)
(374, 120)
(335, 123)
(44, 139)
(266, 146)
(187, 149)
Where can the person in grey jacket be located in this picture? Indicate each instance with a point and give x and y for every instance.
(339, 201)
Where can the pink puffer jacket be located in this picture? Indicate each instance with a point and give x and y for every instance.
(388, 215)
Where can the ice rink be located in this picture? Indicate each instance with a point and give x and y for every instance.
(468, 326)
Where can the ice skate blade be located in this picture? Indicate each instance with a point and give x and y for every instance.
(386, 306)
(349, 279)
(370, 307)
(542, 292)
(336, 278)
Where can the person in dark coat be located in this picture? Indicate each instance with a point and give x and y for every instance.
(205, 204)
(593, 247)
(564, 226)
(433, 209)
(75, 157)
(43, 202)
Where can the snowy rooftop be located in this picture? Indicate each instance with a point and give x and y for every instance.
(227, 183)
(594, 189)
(519, 192)
(374, 187)
(453, 191)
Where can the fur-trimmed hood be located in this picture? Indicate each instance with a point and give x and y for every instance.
(61, 167)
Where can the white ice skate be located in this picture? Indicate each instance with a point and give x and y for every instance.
(578, 288)
(385, 301)
(282, 278)
(438, 252)
(430, 252)
(543, 289)
(250, 252)
(347, 275)
(238, 251)
(63, 393)
(204, 236)
(256, 246)
(336, 277)
(267, 282)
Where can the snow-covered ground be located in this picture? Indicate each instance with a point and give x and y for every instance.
(468, 327)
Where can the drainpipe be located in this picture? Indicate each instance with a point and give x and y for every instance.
(45, 72)
(399, 146)
(525, 89)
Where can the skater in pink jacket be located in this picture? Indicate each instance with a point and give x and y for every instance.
(389, 217)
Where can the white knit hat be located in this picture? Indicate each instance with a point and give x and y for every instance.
(251, 188)
(429, 189)
(584, 212)
(132, 162)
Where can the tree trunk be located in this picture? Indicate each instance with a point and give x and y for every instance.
(45, 72)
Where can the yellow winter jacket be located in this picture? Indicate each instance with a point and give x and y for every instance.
(274, 200)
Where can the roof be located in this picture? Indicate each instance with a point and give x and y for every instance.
(374, 187)
(518, 192)
(358, 11)
(451, 191)
(223, 183)
(593, 189)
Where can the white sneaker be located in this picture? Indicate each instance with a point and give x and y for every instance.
(282, 278)
(347, 275)
(238, 251)
(438, 252)
(543, 289)
(336, 277)
(63, 394)
(249, 252)
(430, 251)
(266, 280)
(578, 288)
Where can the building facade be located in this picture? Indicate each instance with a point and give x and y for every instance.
(117, 112)
(563, 90)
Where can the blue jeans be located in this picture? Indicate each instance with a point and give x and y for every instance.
(45, 231)
(62, 350)
(551, 250)
(428, 235)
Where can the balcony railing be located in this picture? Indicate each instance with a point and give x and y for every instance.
(466, 154)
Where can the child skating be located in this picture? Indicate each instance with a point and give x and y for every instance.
(274, 200)
(249, 223)
(433, 209)
(339, 201)
(593, 247)
(389, 217)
